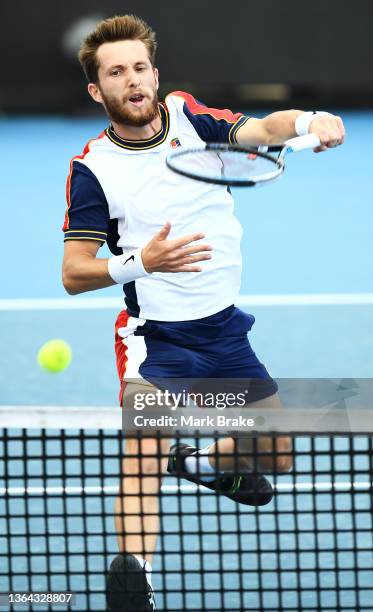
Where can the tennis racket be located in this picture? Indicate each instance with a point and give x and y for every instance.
(235, 165)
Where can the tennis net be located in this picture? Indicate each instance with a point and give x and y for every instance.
(309, 548)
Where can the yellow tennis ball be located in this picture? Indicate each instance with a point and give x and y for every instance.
(55, 356)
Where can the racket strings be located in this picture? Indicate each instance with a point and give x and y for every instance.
(226, 165)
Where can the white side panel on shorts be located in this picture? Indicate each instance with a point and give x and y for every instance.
(136, 348)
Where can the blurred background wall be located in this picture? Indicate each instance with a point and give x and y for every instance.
(235, 53)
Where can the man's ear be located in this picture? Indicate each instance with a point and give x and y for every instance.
(94, 92)
(156, 76)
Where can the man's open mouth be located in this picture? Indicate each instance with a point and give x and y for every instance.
(137, 99)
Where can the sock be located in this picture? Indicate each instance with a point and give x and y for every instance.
(198, 463)
(146, 566)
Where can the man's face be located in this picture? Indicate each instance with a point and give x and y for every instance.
(127, 83)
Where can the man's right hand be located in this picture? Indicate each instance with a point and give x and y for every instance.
(163, 255)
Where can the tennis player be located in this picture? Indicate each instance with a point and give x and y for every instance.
(175, 247)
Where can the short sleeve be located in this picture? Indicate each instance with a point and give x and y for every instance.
(211, 124)
(87, 214)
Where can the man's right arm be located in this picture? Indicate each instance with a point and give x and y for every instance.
(82, 271)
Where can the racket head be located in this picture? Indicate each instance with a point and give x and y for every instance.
(225, 164)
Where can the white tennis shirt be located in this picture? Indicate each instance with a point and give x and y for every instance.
(121, 191)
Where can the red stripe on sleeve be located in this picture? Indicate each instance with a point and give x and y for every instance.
(68, 182)
(198, 109)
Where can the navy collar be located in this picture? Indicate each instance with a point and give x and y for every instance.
(149, 143)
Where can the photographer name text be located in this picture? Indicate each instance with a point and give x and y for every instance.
(220, 420)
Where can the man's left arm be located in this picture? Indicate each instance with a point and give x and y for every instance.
(276, 128)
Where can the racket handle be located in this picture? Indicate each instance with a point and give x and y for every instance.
(309, 141)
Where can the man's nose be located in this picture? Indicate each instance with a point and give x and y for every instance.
(134, 79)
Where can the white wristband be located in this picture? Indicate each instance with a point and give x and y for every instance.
(303, 121)
(127, 267)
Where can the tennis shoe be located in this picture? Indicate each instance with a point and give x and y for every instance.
(247, 489)
(127, 586)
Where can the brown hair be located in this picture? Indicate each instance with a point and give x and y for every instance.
(120, 27)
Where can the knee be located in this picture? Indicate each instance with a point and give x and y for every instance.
(151, 466)
(281, 459)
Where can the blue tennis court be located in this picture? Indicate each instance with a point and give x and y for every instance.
(307, 279)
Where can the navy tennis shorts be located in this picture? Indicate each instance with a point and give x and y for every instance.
(214, 347)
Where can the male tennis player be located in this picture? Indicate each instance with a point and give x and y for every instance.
(176, 251)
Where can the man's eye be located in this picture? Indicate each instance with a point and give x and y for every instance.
(115, 72)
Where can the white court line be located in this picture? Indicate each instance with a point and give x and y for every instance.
(287, 487)
(295, 299)
(61, 417)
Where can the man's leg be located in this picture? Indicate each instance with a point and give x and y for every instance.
(129, 585)
(235, 466)
(237, 363)
(137, 505)
(143, 466)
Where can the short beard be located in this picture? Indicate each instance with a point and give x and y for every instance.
(118, 114)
